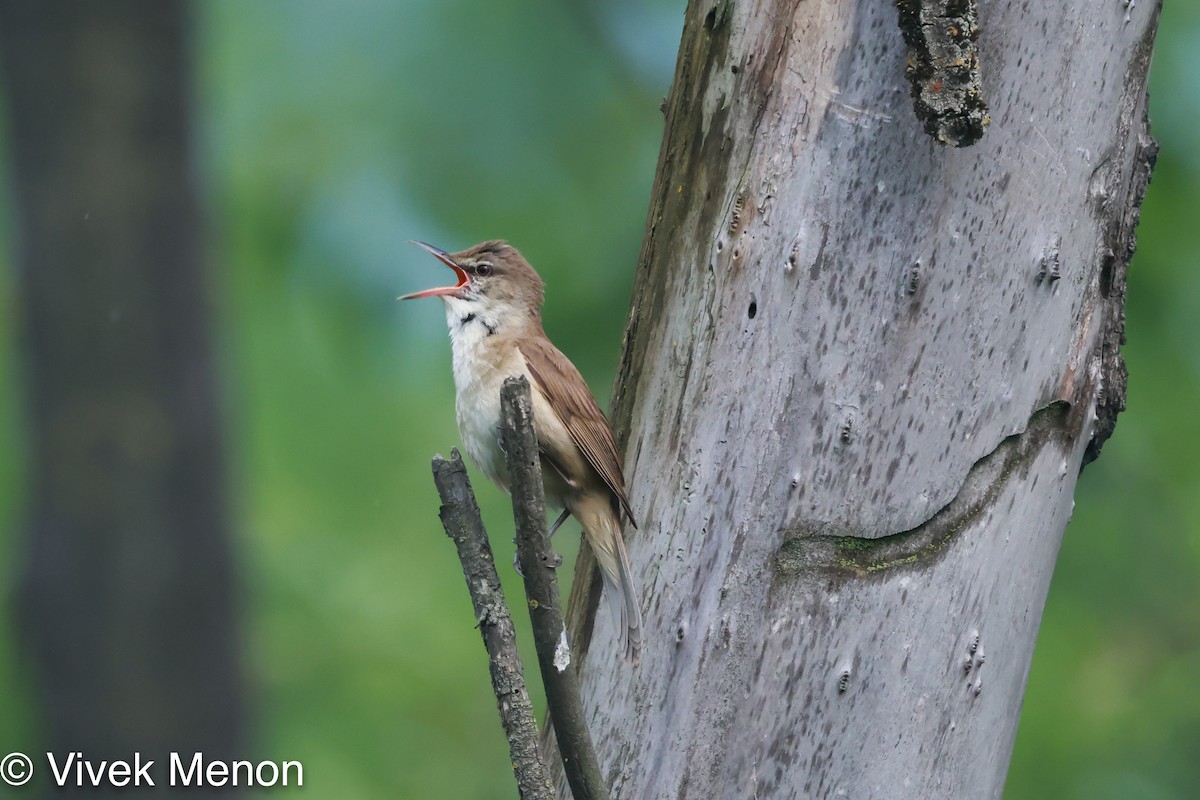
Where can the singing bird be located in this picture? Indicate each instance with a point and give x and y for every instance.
(495, 316)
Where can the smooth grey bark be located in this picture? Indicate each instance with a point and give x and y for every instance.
(861, 374)
(127, 595)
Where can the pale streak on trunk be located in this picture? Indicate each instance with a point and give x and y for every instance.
(861, 374)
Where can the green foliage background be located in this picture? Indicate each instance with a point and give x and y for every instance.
(332, 132)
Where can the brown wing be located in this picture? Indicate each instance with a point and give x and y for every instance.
(562, 385)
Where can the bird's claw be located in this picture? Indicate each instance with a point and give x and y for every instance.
(552, 560)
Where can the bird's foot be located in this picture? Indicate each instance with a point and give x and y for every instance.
(552, 560)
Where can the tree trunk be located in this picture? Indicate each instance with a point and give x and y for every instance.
(861, 374)
(127, 599)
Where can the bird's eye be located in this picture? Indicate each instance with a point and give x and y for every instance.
(483, 269)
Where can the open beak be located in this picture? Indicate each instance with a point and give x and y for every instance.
(442, 291)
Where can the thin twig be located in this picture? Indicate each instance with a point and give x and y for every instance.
(463, 524)
(541, 590)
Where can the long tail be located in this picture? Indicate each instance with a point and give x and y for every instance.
(623, 600)
(604, 535)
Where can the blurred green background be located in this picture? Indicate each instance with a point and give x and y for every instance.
(331, 133)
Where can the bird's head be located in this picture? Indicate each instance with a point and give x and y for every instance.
(494, 282)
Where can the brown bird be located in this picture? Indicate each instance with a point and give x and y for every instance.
(495, 316)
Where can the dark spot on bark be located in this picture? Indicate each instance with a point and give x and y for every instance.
(815, 269)
(1108, 261)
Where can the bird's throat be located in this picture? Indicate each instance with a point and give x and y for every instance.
(472, 318)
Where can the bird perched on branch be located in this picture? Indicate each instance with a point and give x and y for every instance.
(494, 311)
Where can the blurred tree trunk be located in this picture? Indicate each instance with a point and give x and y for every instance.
(127, 598)
(861, 374)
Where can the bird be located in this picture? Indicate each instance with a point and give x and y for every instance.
(494, 312)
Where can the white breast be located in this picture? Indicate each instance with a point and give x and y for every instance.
(484, 356)
(481, 363)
